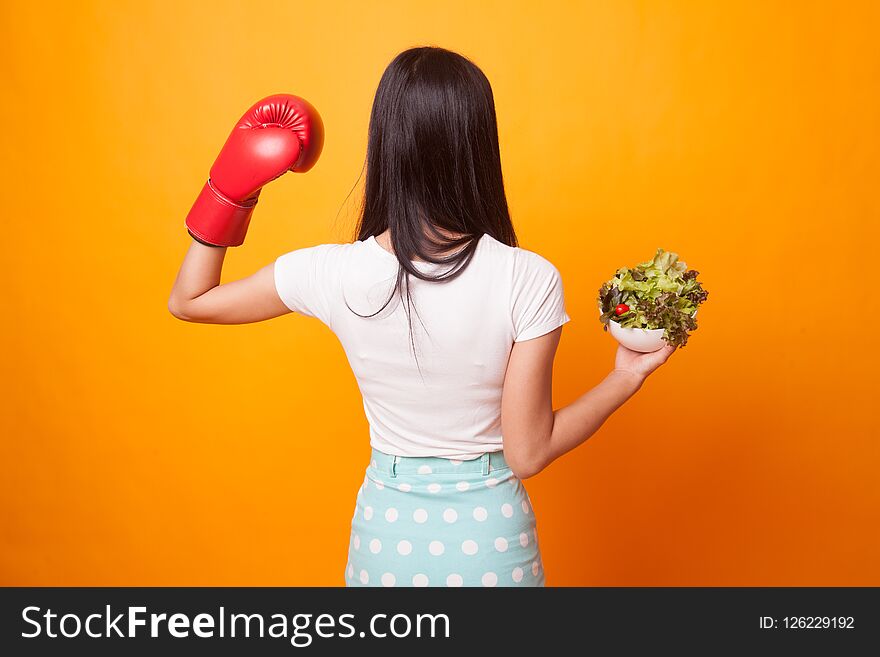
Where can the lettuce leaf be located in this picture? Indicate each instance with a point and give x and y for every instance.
(661, 293)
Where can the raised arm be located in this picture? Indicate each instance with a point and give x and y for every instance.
(197, 295)
(278, 134)
(534, 434)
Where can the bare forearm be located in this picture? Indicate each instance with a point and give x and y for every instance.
(575, 423)
(198, 296)
(199, 272)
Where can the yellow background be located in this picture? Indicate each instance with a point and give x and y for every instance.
(138, 449)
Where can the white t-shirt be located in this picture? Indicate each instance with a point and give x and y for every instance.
(448, 402)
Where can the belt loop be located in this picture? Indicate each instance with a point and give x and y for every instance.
(485, 459)
(394, 466)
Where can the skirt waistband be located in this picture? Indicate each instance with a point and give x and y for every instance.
(426, 465)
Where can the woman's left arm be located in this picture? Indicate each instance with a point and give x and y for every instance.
(198, 296)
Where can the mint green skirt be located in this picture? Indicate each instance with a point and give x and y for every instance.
(430, 521)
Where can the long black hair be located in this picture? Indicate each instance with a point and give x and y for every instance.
(433, 165)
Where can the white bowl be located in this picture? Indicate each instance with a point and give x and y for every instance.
(639, 339)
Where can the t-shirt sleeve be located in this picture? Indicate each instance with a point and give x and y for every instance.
(307, 280)
(538, 298)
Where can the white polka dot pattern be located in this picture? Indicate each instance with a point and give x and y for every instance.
(438, 522)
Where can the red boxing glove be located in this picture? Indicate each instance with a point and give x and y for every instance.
(280, 133)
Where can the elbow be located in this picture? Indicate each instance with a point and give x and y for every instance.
(178, 309)
(526, 471)
(525, 463)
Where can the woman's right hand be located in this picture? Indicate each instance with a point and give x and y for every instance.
(639, 363)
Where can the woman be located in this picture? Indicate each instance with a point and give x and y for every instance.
(450, 328)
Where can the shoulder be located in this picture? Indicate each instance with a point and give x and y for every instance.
(322, 253)
(316, 265)
(522, 259)
(337, 249)
(535, 263)
(530, 265)
(526, 273)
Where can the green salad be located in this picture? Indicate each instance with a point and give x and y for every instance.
(661, 293)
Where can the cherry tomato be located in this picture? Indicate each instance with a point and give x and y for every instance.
(620, 309)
